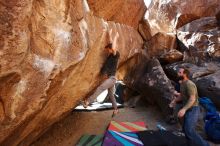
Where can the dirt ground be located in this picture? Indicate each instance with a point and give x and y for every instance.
(69, 130)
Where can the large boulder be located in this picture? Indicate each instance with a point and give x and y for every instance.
(167, 15)
(209, 86)
(50, 57)
(171, 57)
(162, 46)
(148, 78)
(201, 37)
(159, 44)
(145, 30)
(206, 78)
(128, 12)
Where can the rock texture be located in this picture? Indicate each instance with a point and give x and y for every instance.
(166, 16)
(128, 12)
(209, 86)
(171, 57)
(148, 78)
(144, 30)
(159, 44)
(206, 78)
(202, 39)
(218, 17)
(51, 53)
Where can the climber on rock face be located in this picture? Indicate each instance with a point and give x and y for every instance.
(108, 72)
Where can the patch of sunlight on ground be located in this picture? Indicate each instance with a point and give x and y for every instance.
(102, 96)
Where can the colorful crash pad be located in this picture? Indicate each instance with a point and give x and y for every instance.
(127, 126)
(114, 138)
(123, 134)
(90, 140)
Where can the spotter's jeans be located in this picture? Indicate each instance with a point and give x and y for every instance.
(190, 120)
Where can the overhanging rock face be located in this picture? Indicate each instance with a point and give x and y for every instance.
(128, 12)
(51, 55)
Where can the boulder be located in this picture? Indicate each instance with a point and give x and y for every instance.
(50, 58)
(171, 57)
(166, 16)
(201, 37)
(209, 86)
(128, 12)
(160, 44)
(148, 78)
(144, 30)
(184, 19)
